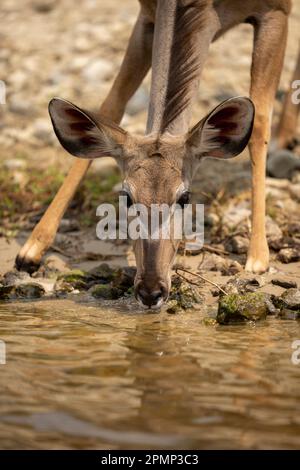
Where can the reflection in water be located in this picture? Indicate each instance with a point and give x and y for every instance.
(89, 376)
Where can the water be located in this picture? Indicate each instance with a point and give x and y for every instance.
(81, 375)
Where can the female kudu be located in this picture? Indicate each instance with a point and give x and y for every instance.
(173, 36)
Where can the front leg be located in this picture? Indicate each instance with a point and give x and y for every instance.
(268, 54)
(135, 65)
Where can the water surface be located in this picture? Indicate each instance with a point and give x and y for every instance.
(88, 375)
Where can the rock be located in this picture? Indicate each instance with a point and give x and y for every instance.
(106, 291)
(284, 283)
(117, 187)
(237, 244)
(62, 288)
(139, 102)
(241, 286)
(288, 314)
(43, 6)
(68, 225)
(289, 255)
(68, 282)
(14, 164)
(282, 164)
(289, 299)
(211, 219)
(124, 278)
(18, 105)
(235, 308)
(82, 44)
(295, 191)
(235, 214)
(173, 307)
(30, 290)
(102, 274)
(183, 294)
(6, 291)
(42, 130)
(293, 228)
(13, 278)
(213, 262)
(273, 231)
(97, 71)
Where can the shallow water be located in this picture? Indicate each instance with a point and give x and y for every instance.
(85, 375)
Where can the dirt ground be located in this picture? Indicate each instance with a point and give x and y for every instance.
(49, 48)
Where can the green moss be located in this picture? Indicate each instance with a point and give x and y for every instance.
(106, 291)
(240, 308)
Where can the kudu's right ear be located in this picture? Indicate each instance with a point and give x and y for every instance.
(84, 135)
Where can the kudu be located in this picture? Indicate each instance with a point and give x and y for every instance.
(173, 36)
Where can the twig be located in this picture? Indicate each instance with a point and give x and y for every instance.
(213, 249)
(200, 277)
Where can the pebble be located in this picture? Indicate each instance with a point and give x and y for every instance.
(97, 71)
(289, 255)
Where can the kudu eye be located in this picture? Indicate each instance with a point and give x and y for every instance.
(129, 201)
(184, 198)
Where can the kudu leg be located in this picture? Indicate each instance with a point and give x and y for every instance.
(287, 127)
(135, 65)
(269, 47)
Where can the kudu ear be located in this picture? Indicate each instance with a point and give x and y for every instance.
(225, 132)
(83, 135)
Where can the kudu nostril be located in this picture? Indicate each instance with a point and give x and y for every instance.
(150, 298)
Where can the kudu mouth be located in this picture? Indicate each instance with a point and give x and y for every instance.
(152, 297)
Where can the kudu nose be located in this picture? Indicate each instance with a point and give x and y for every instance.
(151, 298)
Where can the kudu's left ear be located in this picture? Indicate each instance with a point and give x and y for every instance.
(84, 135)
(225, 132)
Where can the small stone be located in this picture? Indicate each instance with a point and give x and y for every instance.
(30, 290)
(124, 278)
(102, 273)
(6, 291)
(289, 255)
(295, 191)
(235, 215)
(13, 164)
(42, 130)
(213, 262)
(240, 286)
(211, 220)
(282, 164)
(289, 299)
(237, 244)
(67, 282)
(97, 71)
(183, 293)
(235, 308)
(13, 278)
(273, 231)
(139, 102)
(173, 307)
(106, 291)
(68, 225)
(284, 283)
(208, 321)
(288, 314)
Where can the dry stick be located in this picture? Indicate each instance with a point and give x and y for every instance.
(212, 249)
(201, 277)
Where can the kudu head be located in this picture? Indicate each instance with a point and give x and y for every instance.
(157, 169)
